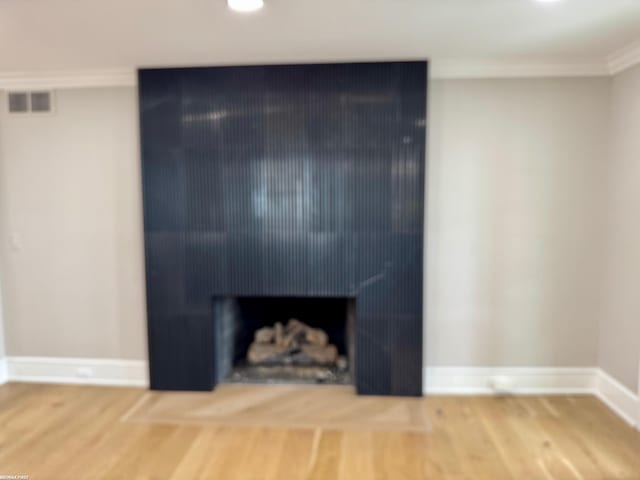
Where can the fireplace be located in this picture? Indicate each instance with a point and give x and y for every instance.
(277, 193)
(284, 339)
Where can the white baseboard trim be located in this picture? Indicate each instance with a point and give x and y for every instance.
(3, 371)
(437, 380)
(512, 380)
(535, 381)
(78, 371)
(618, 398)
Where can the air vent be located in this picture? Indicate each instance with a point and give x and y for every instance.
(40, 102)
(30, 102)
(18, 102)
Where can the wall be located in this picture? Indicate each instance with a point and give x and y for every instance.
(620, 326)
(2, 347)
(516, 198)
(72, 260)
(2, 341)
(3, 365)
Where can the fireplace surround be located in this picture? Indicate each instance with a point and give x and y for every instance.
(285, 181)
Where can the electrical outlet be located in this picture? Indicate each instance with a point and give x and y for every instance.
(15, 241)
(502, 384)
(84, 372)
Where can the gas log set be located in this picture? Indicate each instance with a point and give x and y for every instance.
(295, 344)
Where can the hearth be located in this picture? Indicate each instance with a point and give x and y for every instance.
(284, 339)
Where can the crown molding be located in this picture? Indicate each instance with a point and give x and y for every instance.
(477, 70)
(624, 58)
(440, 69)
(68, 79)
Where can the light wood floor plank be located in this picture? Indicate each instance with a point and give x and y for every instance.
(59, 432)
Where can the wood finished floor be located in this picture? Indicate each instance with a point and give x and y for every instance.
(66, 432)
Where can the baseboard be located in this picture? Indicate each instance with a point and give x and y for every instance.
(3, 371)
(618, 398)
(512, 380)
(535, 381)
(437, 380)
(77, 371)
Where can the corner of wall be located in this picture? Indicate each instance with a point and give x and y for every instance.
(4, 376)
(3, 360)
(613, 386)
(620, 399)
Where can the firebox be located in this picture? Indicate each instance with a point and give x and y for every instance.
(284, 339)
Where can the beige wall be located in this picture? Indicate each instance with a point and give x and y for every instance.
(514, 228)
(516, 196)
(620, 326)
(72, 254)
(2, 341)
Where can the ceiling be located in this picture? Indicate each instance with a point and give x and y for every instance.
(576, 36)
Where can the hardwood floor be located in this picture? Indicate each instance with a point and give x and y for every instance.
(67, 432)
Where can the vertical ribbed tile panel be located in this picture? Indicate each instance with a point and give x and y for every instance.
(302, 180)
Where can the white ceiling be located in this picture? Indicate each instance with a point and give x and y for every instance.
(459, 35)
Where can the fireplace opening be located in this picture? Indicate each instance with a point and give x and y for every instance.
(284, 339)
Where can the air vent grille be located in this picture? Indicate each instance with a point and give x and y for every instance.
(18, 102)
(40, 102)
(30, 102)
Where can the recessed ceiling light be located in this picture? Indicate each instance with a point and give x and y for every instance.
(245, 5)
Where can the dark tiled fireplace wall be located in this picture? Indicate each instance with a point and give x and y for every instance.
(295, 181)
